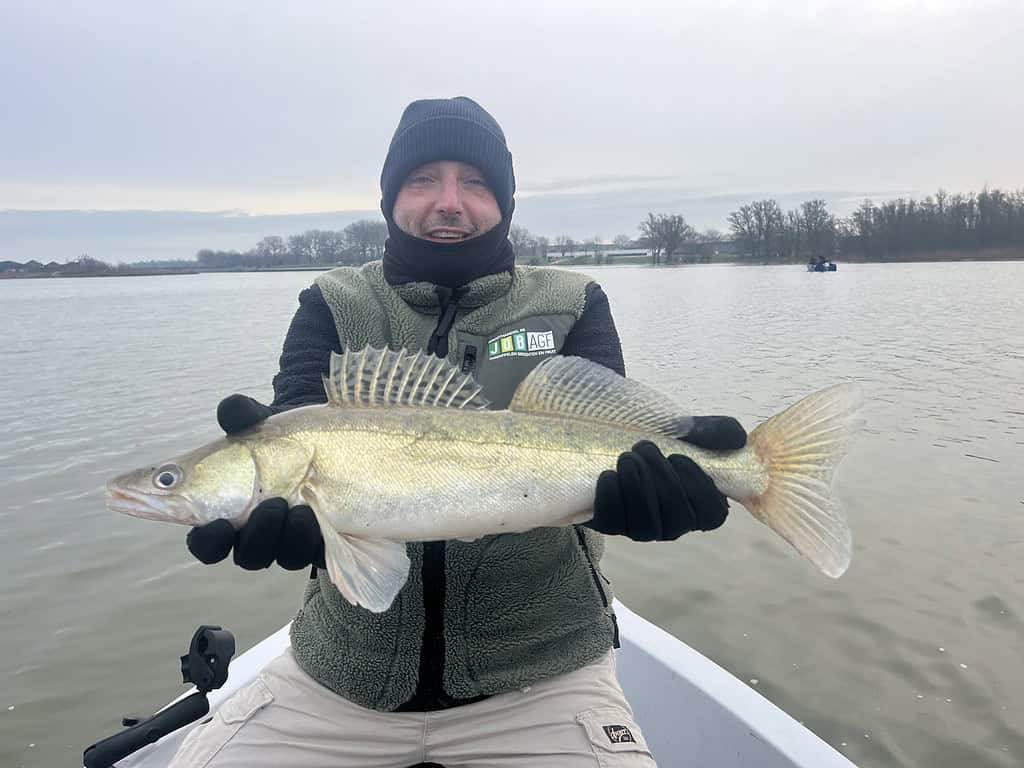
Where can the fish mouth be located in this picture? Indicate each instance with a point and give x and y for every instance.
(143, 505)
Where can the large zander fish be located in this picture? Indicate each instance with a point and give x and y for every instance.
(406, 450)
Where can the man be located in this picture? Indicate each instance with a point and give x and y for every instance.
(497, 652)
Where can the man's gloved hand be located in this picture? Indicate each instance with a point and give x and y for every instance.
(649, 497)
(274, 532)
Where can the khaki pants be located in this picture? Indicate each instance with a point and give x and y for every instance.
(285, 718)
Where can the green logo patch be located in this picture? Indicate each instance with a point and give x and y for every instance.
(521, 343)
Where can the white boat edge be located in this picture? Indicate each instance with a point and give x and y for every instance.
(691, 711)
(718, 719)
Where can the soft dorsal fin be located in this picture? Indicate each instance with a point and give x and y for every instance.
(381, 377)
(578, 388)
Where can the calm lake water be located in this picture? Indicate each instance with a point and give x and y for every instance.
(914, 658)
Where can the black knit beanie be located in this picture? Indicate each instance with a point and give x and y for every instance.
(448, 129)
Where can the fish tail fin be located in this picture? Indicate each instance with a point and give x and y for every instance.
(800, 449)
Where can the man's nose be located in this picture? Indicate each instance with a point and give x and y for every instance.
(449, 199)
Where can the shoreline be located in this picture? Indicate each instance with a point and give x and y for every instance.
(139, 273)
(744, 262)
(941, 257)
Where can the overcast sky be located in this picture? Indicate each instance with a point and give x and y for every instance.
(610, 109)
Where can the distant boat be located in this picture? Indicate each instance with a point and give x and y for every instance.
(821, 266)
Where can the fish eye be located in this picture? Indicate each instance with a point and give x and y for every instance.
(168, 476)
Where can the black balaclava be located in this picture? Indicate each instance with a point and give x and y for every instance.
(447, 129)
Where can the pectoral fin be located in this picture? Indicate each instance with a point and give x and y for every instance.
(368, 572)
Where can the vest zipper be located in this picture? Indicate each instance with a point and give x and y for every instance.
(448, 299)
(430, 686)
(429, 694)
(597, 583)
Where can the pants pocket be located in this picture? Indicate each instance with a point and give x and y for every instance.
(205, 741)
(615, 738)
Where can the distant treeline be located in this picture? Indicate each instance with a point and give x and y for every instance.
(359, 242)
(939, 226)
(761, 231)
(83, 266)
(960, 223)
(989, 219)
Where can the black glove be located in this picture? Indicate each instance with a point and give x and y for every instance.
(649, 497)
(274, 532)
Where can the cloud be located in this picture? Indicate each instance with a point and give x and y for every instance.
(584, 183)
(117, 104)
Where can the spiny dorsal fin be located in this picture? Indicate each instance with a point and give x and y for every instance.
(382, 377)
(573, 386)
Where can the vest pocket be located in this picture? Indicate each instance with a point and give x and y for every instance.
(615, 738)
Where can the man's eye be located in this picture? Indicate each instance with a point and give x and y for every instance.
(479, 182)
(420, 180)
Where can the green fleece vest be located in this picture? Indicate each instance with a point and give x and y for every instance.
(518, 607)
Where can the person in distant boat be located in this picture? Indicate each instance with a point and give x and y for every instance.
(497, 652)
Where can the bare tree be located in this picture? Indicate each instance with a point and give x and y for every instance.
(328, 245)
(541, 245)
(316, 246)
(271, 251)
(818, 229)
(864, 224)
(300, 248)
(666, 234)
(791, 239)
(378, 237)
(650, 235)
(366, 239)
(744, 229)
(521, 240)
(677, 234)
(759, 227)
(770, 223)
(565, 243)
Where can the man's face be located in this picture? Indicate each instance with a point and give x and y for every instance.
(444, 202)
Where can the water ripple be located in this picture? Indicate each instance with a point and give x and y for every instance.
(931, 488)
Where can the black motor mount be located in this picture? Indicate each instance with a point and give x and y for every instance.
(206, 666)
